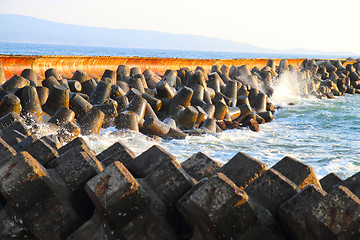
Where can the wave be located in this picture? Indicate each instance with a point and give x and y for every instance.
(289, 87)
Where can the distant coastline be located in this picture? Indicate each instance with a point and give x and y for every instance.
(26, 30)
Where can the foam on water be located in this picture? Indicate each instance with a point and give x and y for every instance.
(288, 88)
(321, 133)
(137, 142)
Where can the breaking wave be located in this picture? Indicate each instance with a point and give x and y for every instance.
(289, 87)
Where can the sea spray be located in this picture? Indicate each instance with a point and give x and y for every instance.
(136, 141)
(318, 132)
(289, 87)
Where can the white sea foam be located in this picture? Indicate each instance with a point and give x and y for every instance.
(288, 88)
(346, 169)
(297, 130)
(135, 141)
(319, 133)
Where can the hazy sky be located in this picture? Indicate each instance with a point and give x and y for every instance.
(327, 25)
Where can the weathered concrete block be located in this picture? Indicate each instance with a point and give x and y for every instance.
(200, 166)
(62, 116)
(53, 72)
(76, 167)
(116, 152)
(243, 169)
(219, 208)
(117, 146)
(41, 151)
(329, 181)
(88, 86)
(30, 102)
(18, 126)
(76, 142)
(353, 184)
(187, 118)
(183, 97)
(146, 226)
(117, 195)
(12, 137)
(165, 185)
(109, 74)
(153, 102)
(74, 85)
(127, 120)
(153, 126)
(252, 124)
(266, 226)
(336, 216)
(267, 116)
(58, 97)
(169, 181)
(79, 105)
(53, 140)
(42, 92)
(167, 215)
(80, 76)
(137, 105)
(91, 123)
(54, 219)
(6, 151)
(293, 212)
(124, 156)
(78, 146)
(9, 119)
(24, 182)
(15, 133)
(299, 173)
(50, 82)
(11, 225)
(271, 190)
(93, 229)
(149, 160)
(9, 103)
(69, 132)
(164, 90)
(110, 111)
(25, 142)
(31, 75)
(123, 73)
(14, 83)
(174, 134)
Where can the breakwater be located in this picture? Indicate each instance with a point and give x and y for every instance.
(94, 66)
(199, 199)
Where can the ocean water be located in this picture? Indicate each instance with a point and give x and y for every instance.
(321, 133)
(10, 48)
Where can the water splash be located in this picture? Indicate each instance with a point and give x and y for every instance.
(289, 87)
(318, 133)
(136, 142)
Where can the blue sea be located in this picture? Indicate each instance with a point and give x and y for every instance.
(11, 48)
(321, 133)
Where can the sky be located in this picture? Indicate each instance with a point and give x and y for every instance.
(325, 25)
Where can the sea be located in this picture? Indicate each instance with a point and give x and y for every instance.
(321, 133)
